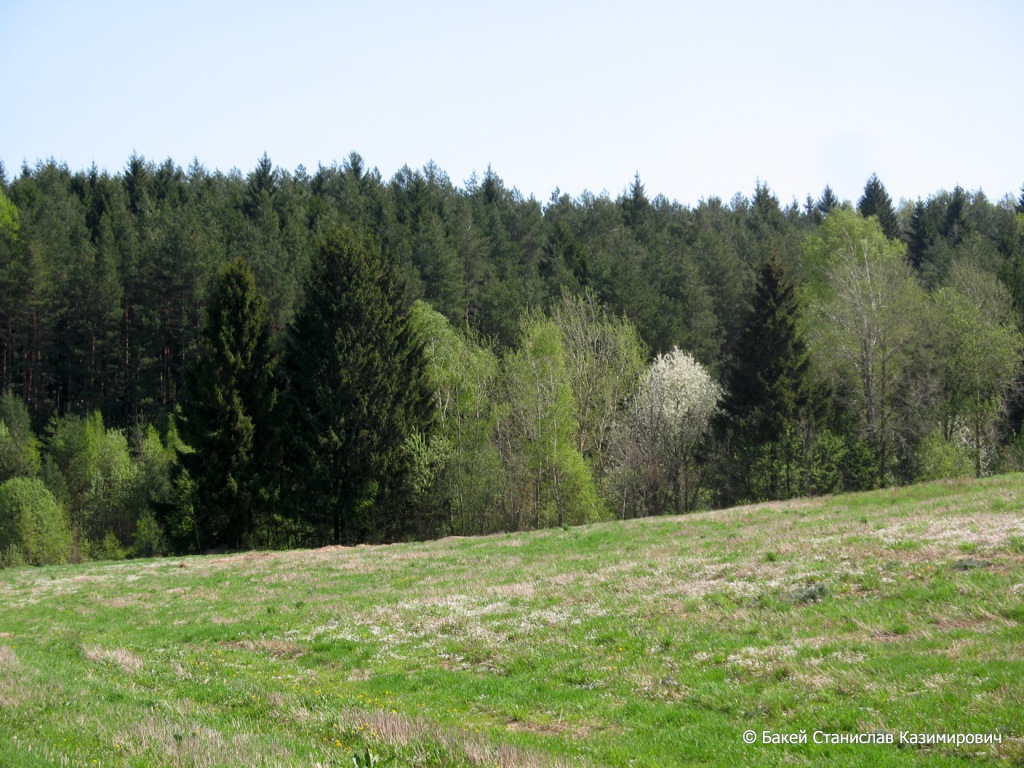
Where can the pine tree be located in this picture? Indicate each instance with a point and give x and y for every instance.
(356, 392)
(876, 202)
(224, 416)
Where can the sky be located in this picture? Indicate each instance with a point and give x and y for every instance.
(701, 99)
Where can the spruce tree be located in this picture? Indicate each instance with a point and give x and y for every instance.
(769, 387)
(356, 391)
(828, 201)
(768, 381)
(224, 416)
(918, 240)
(956, 224)
(876, 202)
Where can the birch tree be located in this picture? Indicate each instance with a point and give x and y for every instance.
(540, 424)
(867, 316)
(604, 360)
(980, 354)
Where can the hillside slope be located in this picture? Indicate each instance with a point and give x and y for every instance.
(649, 642)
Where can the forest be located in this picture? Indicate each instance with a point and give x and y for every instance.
(195, 360)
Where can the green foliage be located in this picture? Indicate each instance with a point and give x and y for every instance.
(109, 284)
(939, 456)
(224, 415)
(19, 448)
(540, 425)
(10, 220)
(356, 390)
(828, 201)
(105, 481)
(99, 485)
(771, 395)
(981, 350)
(33, 528)
(865, 325)
(876, 202)
(149, 539)
(604, 361)
(109, 548)
(463, 375)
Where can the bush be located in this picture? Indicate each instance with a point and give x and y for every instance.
(939, 458)
(109, 548)
(33, 523)
(149, 539)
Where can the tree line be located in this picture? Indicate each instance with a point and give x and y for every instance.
(195, 360)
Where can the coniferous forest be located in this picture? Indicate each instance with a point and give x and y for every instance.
(194, 360)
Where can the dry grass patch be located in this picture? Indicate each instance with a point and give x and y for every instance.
(15, 693)
(950, 526)
(122, 601)
(8, 660)
(557, 728)
(121, 657)
(279, 649)
(196, 745)
(394, 729)
(519, 589)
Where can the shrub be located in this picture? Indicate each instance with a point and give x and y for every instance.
(33, 523)
(939, 458)
(149, 539)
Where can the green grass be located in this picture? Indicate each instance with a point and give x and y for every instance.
(648, 643)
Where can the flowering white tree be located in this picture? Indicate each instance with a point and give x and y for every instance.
(670, 414)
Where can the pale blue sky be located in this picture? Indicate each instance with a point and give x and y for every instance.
(700, 98)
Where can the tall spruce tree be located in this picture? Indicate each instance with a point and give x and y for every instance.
(956, 224)
(769, 385)
(224, 416)
(876, 202)
(768, 381)
(917, 238)
(356, 391)
(828, 201)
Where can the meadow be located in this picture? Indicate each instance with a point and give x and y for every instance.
(653, 642)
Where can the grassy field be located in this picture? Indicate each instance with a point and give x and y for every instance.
(648, 643)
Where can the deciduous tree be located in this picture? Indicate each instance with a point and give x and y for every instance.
(866, 319)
